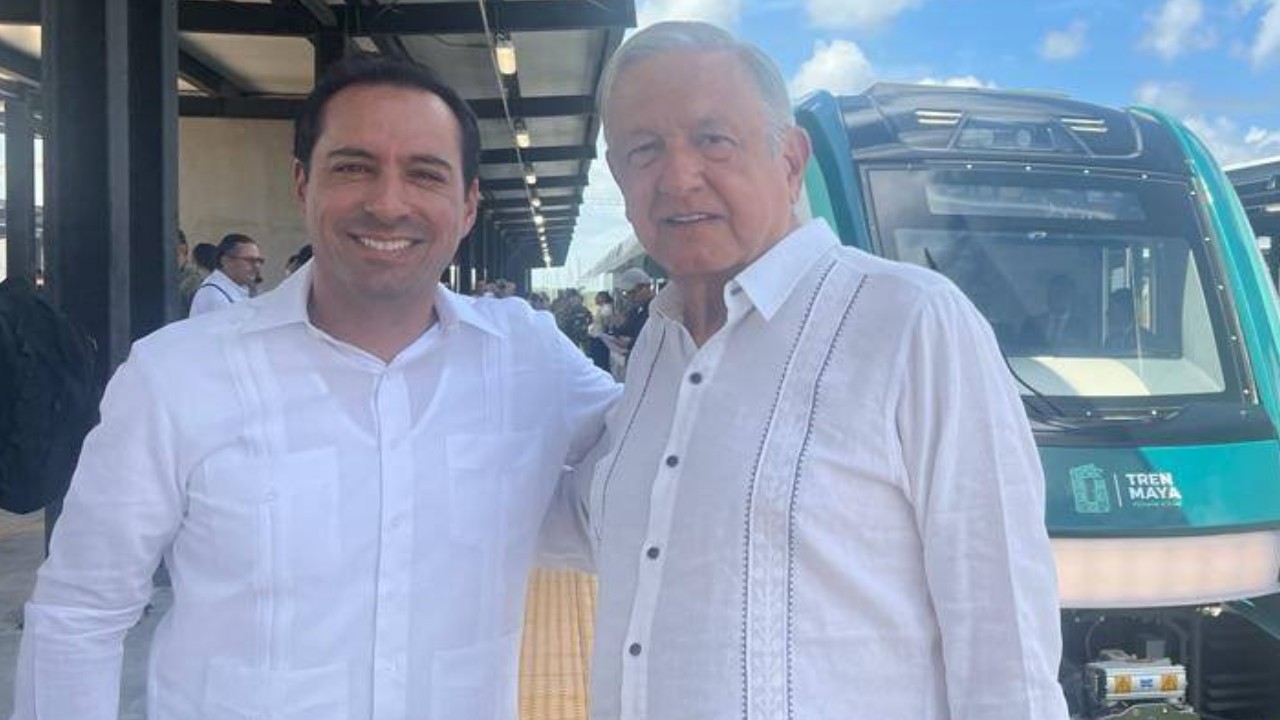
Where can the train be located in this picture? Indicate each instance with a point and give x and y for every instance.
(1119, 273)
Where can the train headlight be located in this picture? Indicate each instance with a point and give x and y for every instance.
(1155, 572)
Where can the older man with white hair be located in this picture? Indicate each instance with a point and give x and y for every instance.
(821, 497)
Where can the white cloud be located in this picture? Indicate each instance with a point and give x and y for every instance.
(1231, 145)
(839, 67)
(1267, 43)
(602, 222)
(1226, 139)
(1177, 28)
(859, 14)
(1267, 139)
(1173, 97)
(724, 13)
(1065, 44)
(960, 81)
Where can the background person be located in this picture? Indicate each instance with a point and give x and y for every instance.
(189, 275)
(239, 263)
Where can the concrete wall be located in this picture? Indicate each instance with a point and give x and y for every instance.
(236, 176)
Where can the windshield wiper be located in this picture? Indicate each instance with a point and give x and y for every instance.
(1044, 410)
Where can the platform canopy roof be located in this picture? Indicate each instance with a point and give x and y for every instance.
(258, 58)
(1258, 185)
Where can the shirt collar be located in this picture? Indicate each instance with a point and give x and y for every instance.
(287, 304)
(769, 281)
(224, 281)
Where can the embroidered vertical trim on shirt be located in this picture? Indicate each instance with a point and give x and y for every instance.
(245, 376)
(597, 523)
(802, 458)
(764, 658)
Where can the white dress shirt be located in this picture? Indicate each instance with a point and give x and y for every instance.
(216, 292)
(832, 509)
(347, 538)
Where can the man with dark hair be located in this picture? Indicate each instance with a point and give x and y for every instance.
(350, 511)
(239, 262)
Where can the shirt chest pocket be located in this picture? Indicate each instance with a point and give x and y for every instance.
(273, 516)
(497, 485)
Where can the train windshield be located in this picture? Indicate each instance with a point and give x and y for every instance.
(1098, 287)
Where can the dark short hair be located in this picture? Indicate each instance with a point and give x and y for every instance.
(366, 69)
(206, 256)
(229, 243)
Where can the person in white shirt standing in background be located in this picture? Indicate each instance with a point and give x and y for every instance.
(350, 512)
(239, 264)
(821, 497)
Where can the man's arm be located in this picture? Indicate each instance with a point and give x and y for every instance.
(119, 516)
(589, 393)
(975, 479)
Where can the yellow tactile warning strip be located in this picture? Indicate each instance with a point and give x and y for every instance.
(558, 630)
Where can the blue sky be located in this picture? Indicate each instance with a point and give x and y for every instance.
(1213, 63)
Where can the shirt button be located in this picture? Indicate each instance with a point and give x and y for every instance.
(653, 553)
(695, 378)
(672, 461)
(634, 649)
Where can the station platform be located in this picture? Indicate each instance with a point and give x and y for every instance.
(553, 661)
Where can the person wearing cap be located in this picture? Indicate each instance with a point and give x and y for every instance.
(820, 496)
(637, 288)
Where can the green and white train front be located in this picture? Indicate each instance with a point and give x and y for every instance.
(1117, 271)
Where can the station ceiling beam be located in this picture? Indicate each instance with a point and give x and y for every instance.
(558, 181)
(20, 12)
(204, 78)
(19, 63)
(286, 107)
(213, 16)
(539, 154)
(533, 107)
(511, 214)
(547, 202)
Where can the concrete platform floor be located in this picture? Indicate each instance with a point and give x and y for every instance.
(553, 663)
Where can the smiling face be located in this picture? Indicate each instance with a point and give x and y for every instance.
(384, 198)
(709, 183)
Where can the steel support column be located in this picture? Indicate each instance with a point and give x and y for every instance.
(82, 258)
(109, 78)
(20, 188)
(144, 110)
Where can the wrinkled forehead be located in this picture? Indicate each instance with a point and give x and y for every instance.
(683, 70)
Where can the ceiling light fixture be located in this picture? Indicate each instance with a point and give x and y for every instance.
(530, 177)
(522, 135)
(504, 52)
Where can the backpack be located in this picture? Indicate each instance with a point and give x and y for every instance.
(49, 392)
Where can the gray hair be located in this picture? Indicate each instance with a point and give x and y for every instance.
(665, 37)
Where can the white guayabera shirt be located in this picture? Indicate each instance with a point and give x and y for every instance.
(347, 538)
(832, 509)
(218, 291)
